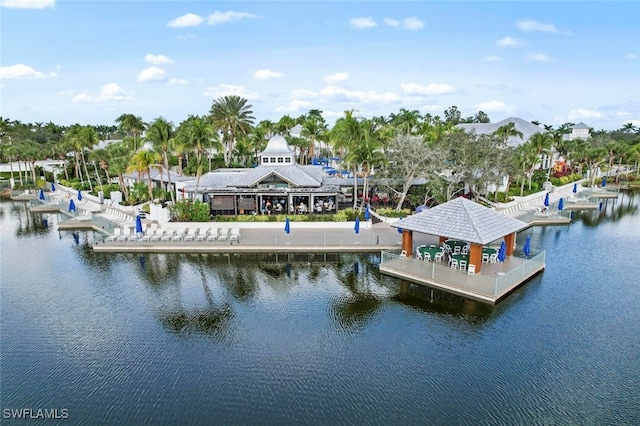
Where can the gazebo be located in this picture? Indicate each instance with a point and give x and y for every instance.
(464, 220)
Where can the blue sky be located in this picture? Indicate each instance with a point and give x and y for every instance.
(90, 61)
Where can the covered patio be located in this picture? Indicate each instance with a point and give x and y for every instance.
(466, 224)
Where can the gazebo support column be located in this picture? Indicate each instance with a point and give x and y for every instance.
(442, 240)
(475, 256)
(510, 241)
(407, 242)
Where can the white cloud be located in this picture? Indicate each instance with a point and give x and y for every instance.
(492, 58)
(491, 106)
(336, 78)
(302, 93)
(266, 74)
(391, 22)
(540, 57)
(218, 17)
(294, 106)
(584, 114)
(510, 42)
(177, 81)
(429, 89)
(528, 26)
(27, 4)
(229, 89)
(188, 20)
(412, 23)
(157, 59)
(152, 74)
(623, 114)
(20, 71)
(108, 92)
(433, 108)
(631, 56)
(362, 22)
(369, 96)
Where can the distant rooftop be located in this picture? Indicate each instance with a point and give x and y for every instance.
(527, 128)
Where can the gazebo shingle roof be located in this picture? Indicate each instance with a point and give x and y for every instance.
(464, 220)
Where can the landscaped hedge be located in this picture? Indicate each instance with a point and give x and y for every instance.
(391, 212)
(565, 179)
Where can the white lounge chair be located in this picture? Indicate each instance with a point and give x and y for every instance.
(116, 234)
(178, 235)
(223, 234)
(168, 235)
(191, 235)
(203, 235)
(234, 235)
(124, 235)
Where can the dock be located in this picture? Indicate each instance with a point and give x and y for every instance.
(495, 282)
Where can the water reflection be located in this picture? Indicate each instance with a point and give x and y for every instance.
(611, 210)
(28, 224)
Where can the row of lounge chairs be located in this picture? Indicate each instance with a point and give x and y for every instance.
(117, 217)
(155, 234)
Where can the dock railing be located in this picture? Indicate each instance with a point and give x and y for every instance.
(444, 275)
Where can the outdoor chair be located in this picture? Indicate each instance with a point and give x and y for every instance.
(116, 234)
(178, 235)
(471, 270)
(223, 235)
(213, 234)
(456, 250)
(465, 250)
(427, 257)
(438, 257)
(403, 255)
(493, 258)
(157, 235)
(168, 234)
(454, 264)
(123, 235)
(418, 254)
(191, 235)
(203, 234)
(462, 265)
(485, 257)
(235, 235)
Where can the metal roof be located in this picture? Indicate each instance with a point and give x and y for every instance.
(463, 220)
(527, 128)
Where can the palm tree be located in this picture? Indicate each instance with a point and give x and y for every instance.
(131, 125)
(197, 135)
(506, 131)
(313, 128)
(542, 143)
(406, 122)
(119, 158)
(160, 133)
(141, 162)
(232, 116)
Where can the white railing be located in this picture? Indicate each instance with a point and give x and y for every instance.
(477, 283)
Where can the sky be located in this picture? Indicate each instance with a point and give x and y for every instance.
(90, 61)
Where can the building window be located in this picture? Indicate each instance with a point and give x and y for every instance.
(265, 160)
(280, 160)
(273, 159)
(287, 159)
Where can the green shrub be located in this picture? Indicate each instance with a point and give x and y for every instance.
(391, 212)
(186, 211)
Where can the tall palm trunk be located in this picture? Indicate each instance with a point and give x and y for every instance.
(86, 171)
(166, 166)
(20, 172)
(97, 175)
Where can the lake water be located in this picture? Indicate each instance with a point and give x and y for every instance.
(200, 339)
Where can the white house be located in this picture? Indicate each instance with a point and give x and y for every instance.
(578, 131)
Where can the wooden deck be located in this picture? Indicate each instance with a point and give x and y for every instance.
(494, 282)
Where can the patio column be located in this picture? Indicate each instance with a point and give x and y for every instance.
(442, 240)
(475, 256)
(509, 241)
(407, 242)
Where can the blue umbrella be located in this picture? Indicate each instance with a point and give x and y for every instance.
(546, 200)
(53, 187)
(139, 225)
(79, 195)
(604, 181)
(367, 213)
(357, 226)
(41, 195)
(400, 229)
(575, 188)
(527, 246)
(561, 204)
(502, 253)
(287, 227)
(72, 206)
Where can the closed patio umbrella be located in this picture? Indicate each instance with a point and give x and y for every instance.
(139, 225)
(72, 206)
(502, 254)
(53, 187)
(367, 213)
(575, 187)
(604, 181)
(561, 204)
(546, 200)
(527, 246)
(357, 226)
(287, 227)
(79, 195)
(41, 195)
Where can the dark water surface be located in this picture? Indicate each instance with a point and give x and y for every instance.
(201, 339)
